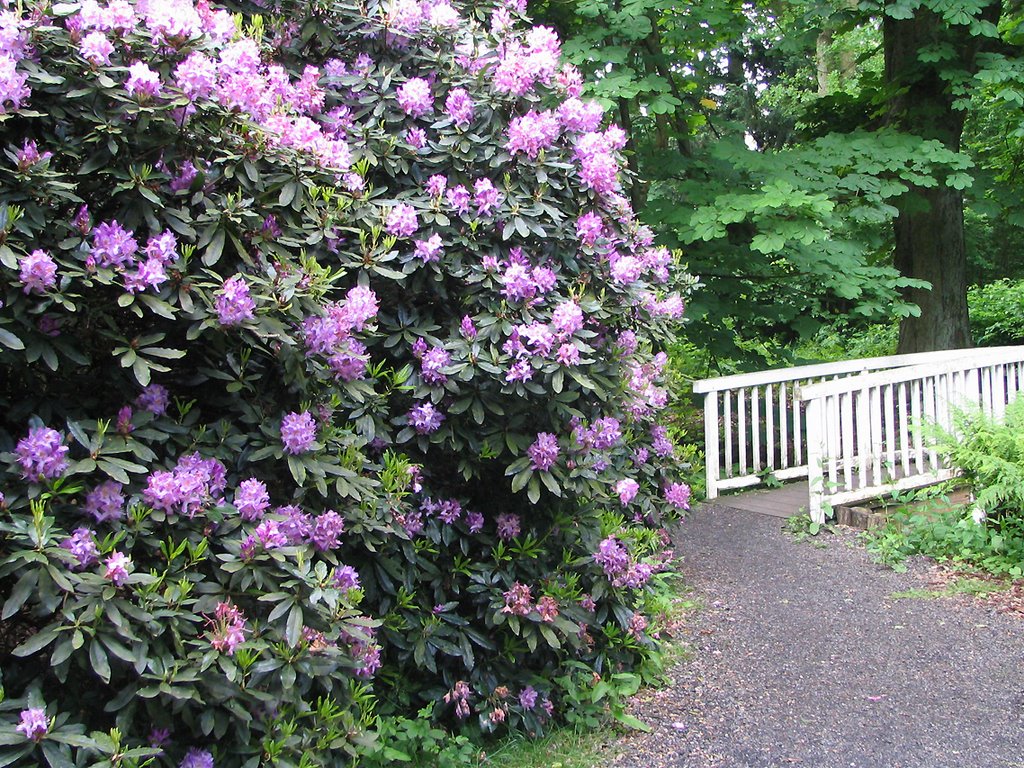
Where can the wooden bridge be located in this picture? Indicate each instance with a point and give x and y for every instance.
(856, 429)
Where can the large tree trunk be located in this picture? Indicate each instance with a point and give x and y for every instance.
(930, 246)
(929, 229)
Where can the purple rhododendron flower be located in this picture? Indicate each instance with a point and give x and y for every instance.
(528, 698)
(38, 271)
(402, 221)
(533, 132)
(589, 227)
(517, 600)
(227, 628)
(118, 566)
(42, 454)
(346, 577)
(33, 723)
(96, 48)
(612, 557)
(458, 198)
(298, 432)
(414, 97)
(13, 90)
(467, 328)
(459, 107)
(142, 81)
(251, 499)
(436, 185)
(485, 196)
(474, 521)
(627, 489)
(508, 526)
(432, 364)
(82, 544)
(327, 530)
(425, 418)
(678, 495)
(197, 758)
(429, 250)
(112, 245)
(105, 501)
(269, 534)
(544, 451)
(233, 304)
(153, 399)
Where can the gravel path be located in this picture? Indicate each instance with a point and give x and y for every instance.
(801, 656)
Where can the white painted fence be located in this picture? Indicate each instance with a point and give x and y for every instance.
(853, 428)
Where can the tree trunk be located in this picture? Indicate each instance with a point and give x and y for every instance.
(930, 246)
(929, 229)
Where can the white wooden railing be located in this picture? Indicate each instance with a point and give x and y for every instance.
(824, 421)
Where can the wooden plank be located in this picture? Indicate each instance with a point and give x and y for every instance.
(769, 430)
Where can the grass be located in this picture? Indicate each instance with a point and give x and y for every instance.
(973, 587)
(566, 747)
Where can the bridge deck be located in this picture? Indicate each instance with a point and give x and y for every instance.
(789, 500)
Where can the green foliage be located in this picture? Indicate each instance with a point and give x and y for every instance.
(951, 535)
(997, 313)
(987, 534)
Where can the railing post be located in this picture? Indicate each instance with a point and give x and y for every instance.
(816, 437)
(711, 441)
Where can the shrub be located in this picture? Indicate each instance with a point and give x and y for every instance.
(996, 311)
(329, 375)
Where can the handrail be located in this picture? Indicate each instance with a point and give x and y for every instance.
(909, 373)
(821, 370)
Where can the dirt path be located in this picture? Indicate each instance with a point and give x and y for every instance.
(803, 657)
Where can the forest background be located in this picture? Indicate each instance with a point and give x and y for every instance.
(841, 176)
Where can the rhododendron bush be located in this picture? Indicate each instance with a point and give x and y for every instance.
(329, 381)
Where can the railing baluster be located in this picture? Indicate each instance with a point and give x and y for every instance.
(999, 390)
(889, 430)
(816, 449)
(928, 388)
(711, 448)
(783, 426)
(875, 408)
(755, 428)
(798, 443)
(847, 432)
(741, 408)
(863, 437)
(917, 426)
(831, 439)
(769, 431)
(728, 433)
(904, 430)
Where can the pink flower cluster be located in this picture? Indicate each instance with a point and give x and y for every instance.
(227, 628)
(193, 485)
(619, 567)
(42, 454)
(533, 132)
(331, 334)
(523, 64)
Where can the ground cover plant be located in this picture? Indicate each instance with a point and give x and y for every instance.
(330, 384)
(986, 534)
